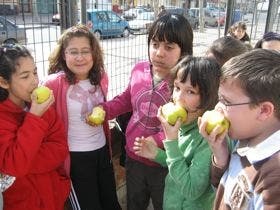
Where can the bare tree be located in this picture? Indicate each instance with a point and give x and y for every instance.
(156, 7)
(201, 16)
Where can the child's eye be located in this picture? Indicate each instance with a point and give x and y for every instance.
(176, 88)
(85, 53)
(73, 53)
(223, 101)
(155, 45)
(168, 48)
(190, 92)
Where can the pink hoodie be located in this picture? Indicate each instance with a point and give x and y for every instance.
(143, 99)
(59, 85)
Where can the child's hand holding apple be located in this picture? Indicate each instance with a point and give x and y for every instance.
(41, 99)
(171, 117)
(96, 117)
(213, 126)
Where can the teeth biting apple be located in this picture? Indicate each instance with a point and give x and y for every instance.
(42, 94)
(213, 119)
(97, 116)
(171, 112)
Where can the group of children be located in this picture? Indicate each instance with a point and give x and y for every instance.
(49, 151)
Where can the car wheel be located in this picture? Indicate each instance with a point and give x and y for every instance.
(216, 24)
(125, 32)
(97, 34)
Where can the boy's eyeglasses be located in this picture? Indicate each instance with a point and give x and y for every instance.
(75, 54)
(226, 104)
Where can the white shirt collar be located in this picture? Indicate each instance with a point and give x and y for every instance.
(263, 150)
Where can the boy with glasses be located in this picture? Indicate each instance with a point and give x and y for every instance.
(248, 177)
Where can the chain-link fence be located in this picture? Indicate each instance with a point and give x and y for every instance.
(43, 22)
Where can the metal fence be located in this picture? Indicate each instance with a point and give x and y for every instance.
(121, 53)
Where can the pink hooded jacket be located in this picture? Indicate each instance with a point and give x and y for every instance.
(59, 85)
(143, 99)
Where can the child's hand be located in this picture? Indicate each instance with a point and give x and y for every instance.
(90, 122)
(96, 117)
(145, 147)
(217, 142)
(39, 109)
(171, 132)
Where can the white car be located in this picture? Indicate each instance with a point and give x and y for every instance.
(133, 13)
(142, 23)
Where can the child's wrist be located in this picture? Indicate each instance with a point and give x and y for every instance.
(220, 162)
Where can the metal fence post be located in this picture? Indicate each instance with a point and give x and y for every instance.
(73, 12)
(230, 8)
(83, 11)
(63, 16)
(269, 17)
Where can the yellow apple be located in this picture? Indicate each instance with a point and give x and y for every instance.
(171, 112)
(97, 115)
(42, 93)
(215, 118)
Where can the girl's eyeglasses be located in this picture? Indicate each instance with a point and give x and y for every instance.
(75, 53)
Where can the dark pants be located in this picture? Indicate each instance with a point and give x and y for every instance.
(93, 180)
(144, 182)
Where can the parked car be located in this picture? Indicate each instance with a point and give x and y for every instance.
(142, 23)
(221, 16)
(10, 32)
(133, 13)
(106, 23)
(210, 18)
(193, 20)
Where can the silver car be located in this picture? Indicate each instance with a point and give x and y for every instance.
(210, 18)
(11, 33)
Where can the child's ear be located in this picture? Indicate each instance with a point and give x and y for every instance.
(3, 83)
(266, 110)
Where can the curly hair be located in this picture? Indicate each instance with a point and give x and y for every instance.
(57, 62)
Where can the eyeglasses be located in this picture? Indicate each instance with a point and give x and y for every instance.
(226, 104)
(75, 53)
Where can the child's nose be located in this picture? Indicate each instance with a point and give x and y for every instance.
(160, 51)
(178, 97)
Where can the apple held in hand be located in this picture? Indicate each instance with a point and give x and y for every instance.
(215, 118)
(42, 94)
(97, 116)
(171, 112)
